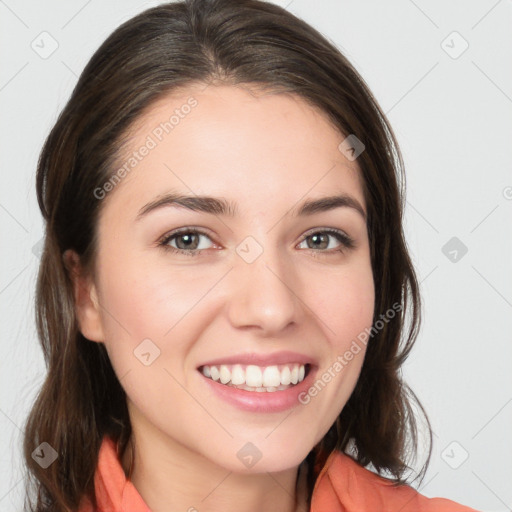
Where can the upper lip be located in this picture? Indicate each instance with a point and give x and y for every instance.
(262, 359)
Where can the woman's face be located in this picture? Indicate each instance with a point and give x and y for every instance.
(262, 288)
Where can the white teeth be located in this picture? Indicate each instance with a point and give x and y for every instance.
(271, 376)
(225, 374)
(285, 376)
(259, 390)
(237, 375)
(254, 378)
(215, 373)
(295, 375)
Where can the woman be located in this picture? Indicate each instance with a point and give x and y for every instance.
(223, 288)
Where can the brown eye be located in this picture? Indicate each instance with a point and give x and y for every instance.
(187, 242)
(322, 239)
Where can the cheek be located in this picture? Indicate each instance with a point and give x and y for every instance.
(344, 302)
(347, 305)
(144, 299)
(147, 302)
(146, 317)
(349, 308)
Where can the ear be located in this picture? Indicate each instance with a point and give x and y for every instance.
(87, 307)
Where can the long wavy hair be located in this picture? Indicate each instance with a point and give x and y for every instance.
(167, 47)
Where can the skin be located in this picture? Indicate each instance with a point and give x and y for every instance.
(268, 153)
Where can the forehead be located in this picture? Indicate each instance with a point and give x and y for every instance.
(237, 142)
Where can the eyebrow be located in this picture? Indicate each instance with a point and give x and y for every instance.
(220, 206)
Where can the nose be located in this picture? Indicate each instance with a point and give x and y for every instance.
(264, 294)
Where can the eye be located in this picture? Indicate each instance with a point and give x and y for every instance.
(187, 241)
(320, 240)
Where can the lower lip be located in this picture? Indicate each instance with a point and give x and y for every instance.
(254, 401)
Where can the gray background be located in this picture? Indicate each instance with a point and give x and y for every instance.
(451, 112)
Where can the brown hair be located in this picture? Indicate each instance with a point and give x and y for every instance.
(164, 48)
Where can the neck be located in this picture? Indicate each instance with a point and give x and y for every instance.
(178, 480)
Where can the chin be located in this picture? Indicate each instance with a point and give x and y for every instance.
(262, 457)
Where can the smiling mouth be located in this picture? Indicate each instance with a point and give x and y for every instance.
(257, 378)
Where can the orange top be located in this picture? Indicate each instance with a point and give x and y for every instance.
(342, 486)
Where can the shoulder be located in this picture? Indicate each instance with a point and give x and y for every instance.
(344, 485)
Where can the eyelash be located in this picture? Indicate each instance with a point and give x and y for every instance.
(346, 241)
